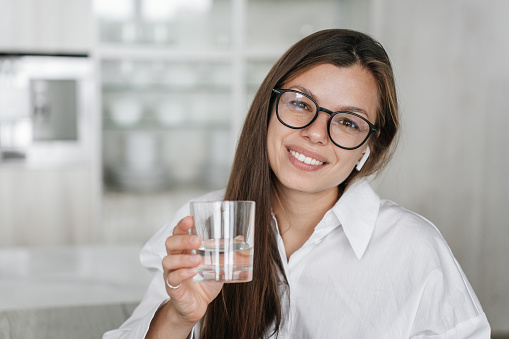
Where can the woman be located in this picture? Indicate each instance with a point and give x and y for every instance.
(332, 259)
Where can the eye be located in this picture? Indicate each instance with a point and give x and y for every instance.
(299, 105)
(348, 123)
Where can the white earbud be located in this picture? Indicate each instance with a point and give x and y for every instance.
(365, 157)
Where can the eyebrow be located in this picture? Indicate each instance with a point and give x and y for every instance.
(353, 109)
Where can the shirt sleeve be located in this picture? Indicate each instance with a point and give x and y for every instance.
(137, 325)
(449, 308)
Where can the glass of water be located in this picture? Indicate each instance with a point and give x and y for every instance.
(227, 232)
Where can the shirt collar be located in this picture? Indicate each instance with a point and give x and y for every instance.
(357, 210)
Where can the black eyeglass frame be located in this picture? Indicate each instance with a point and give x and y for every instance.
(280, 91)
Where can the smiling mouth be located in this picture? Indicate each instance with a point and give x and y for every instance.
(304, 159)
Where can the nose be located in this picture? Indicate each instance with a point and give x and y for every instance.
(317, 131)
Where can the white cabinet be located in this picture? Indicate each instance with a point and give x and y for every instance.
(45, 26)
(49, 183)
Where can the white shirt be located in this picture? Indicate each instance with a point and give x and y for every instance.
(371, 269)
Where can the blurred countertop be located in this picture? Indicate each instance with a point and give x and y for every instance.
(70, 276)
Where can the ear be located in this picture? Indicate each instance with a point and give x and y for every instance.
(362, 161)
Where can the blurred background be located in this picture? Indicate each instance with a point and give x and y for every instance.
(113, 113)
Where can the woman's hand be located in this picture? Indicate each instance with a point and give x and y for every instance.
(190, 299)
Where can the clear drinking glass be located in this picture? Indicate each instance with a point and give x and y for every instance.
(227, 232)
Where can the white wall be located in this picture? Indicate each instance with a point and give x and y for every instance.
(452, 166)
(45, 25)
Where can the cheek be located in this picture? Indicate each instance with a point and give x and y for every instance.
(347, 160)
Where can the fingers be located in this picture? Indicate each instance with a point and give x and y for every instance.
(183, 226)
(180, 267)
(181, 241)
(176, 262)
(178, 244)
(177, 277)
(180, 264)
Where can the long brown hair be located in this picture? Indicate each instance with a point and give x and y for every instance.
(253, 310)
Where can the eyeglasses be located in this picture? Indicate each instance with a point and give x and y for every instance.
(297, 110)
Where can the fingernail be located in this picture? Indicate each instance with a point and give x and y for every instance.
(193, 271)
(194, 240)
(195, 258)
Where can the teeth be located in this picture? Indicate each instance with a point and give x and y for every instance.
(304, 159)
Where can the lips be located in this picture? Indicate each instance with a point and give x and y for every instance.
(305, 159)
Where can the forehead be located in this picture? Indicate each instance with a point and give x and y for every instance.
(339, 88)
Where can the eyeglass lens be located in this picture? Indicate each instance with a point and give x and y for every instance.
(346, 129)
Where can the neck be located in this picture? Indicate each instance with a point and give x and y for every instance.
(302, 211)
